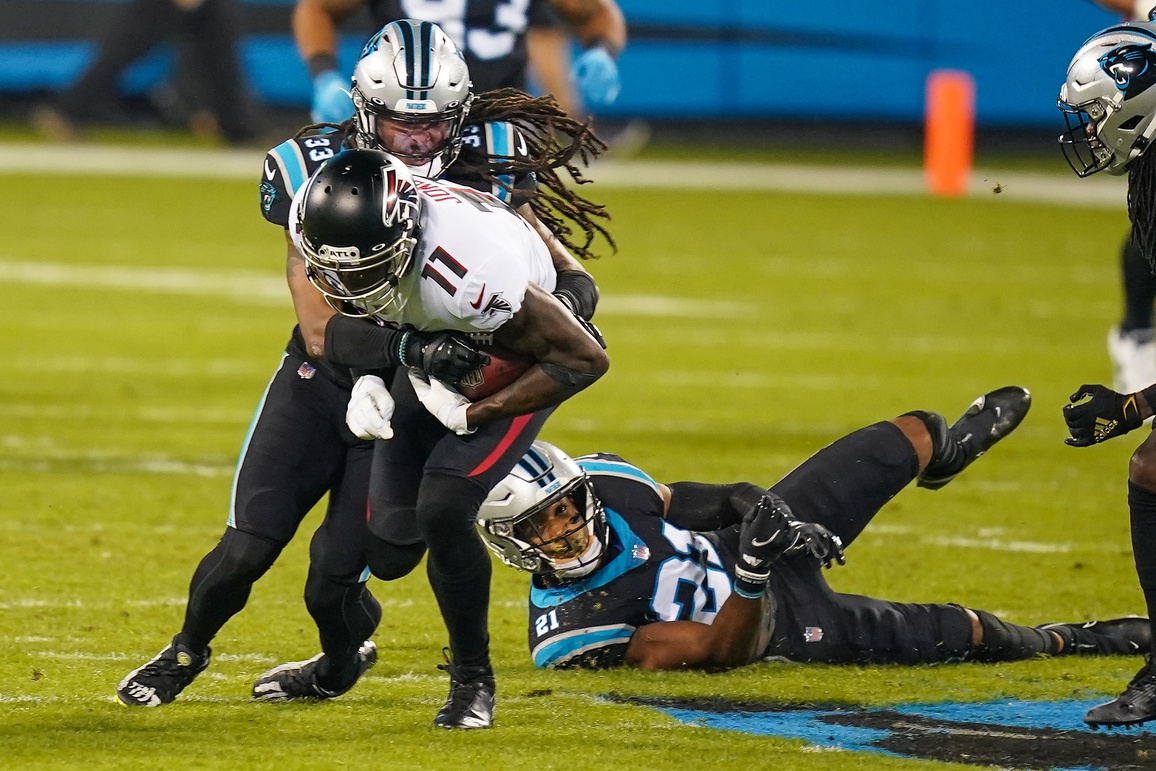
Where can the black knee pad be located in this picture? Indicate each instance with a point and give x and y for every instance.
(389, 561)
(447, 507)
(244, 556)
(1004, 641)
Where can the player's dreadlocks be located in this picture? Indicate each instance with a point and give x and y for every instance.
(1142, 205)
(554, 142)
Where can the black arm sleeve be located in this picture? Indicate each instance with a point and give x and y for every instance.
(577, 290)
(361, 344)
(703, 507)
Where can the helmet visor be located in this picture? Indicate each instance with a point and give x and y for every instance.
(413, 139)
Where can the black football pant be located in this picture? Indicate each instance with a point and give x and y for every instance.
(842, 487)
(426, 486)
(297, 450)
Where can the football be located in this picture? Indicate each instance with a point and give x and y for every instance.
(504, 368)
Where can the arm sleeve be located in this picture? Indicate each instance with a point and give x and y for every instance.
(703, 507)
(576, 288)
(361, 344)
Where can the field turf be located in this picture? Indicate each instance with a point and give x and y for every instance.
(143, 317)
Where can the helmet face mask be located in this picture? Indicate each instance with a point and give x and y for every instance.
(1108, 101)
(545, 518)
(358, 226)
(411, 94)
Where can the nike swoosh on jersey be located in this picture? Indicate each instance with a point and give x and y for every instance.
(478, 303)
(269, 170)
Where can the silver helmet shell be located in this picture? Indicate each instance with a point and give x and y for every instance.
(411, 93)
(357, 226)
(1108, 99)
(507, 518)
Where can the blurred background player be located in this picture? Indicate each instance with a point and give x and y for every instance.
(496, 38)
(1132, 342)
(299, 447)
(210, 31)
(693, 575)
(1109, 102)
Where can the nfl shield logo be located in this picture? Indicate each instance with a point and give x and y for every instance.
(306, 371)
(813, 634)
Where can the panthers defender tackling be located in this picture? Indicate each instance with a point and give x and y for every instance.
(299, 448)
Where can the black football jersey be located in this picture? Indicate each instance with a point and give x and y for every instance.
(491, 33)
(288, 165)
(655, 572)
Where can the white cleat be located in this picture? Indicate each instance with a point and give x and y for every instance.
(1133, 356)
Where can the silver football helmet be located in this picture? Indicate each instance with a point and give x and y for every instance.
(544, 516)
(357, 223)
(1108, 100)
(411, 93)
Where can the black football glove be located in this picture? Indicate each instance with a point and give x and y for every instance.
(443, 356)
(816, 540)
(1097, 414)
(763, 538)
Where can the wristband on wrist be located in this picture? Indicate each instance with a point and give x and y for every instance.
(319, 63)
(751, 589)
(402, 344)
(1150, 396)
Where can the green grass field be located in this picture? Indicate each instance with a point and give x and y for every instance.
(142, 318)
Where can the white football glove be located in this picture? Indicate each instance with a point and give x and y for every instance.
(370, 408)
(447, 406)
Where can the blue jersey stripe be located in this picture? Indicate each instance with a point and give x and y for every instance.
(500, 138)
(564, 647)
(288, 156)
(618, 469)
(232, 520)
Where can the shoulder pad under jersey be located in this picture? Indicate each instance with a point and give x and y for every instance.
(286, 168)
(489, 142)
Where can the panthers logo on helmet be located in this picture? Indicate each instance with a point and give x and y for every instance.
(1132, 66)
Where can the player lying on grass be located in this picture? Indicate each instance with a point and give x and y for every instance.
(692, 575)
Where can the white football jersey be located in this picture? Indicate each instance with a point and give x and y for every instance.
(472, 264)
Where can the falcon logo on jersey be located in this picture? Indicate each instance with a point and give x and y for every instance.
(1132, 66)
(497, 305)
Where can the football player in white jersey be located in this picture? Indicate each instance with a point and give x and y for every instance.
(430, 256)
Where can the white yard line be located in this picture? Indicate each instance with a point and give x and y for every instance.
(1058, 188)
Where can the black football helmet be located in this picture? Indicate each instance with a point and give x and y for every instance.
(358, 227)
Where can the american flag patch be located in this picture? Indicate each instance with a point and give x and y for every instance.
(813, 634)
(306, 371)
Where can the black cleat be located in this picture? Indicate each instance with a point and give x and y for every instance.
(159, 680)
(1136, 705)
(298, 679)
(1129, 636)
(990, 418)
(471, 700)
